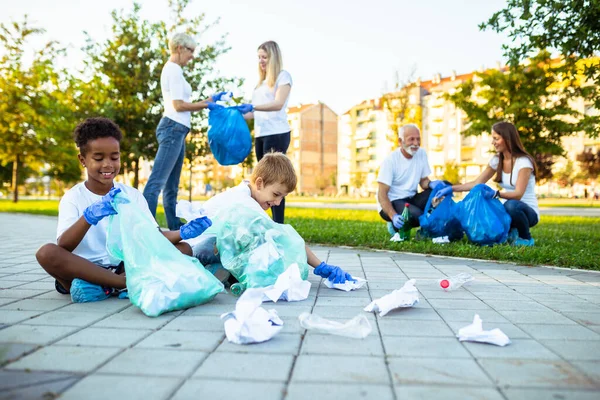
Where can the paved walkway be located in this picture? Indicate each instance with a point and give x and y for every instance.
(565, 211)
(111, 350)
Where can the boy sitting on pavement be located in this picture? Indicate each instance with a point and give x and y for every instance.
(272, 179)
(79, 261)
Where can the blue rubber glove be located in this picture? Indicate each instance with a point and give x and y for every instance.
(194, 228)
(213, 106)
(333, 273)
(102, 208)
(488, 193)
(397, 221)
(218, 96)
(447, 190)
(245, 108)
(434, 184)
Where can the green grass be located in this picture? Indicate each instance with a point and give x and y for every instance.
(561, 241)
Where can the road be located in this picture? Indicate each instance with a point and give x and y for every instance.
(566, 211)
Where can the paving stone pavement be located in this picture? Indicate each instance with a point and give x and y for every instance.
(50, 347)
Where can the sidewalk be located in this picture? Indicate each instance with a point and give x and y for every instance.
(109, 349)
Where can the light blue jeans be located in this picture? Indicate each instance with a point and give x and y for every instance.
(167, 169)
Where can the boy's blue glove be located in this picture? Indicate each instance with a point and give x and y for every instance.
(397, 221)
(487, 192)
(194, 228)
(213, 106)
(102, 208)
(444, 192)
(245, 108)
(333, 273)
(218, 96)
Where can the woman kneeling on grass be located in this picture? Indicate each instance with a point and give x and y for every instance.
(515, 171)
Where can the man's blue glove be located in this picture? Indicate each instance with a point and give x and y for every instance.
(219, 96)
(213, 106)
(333, 273)
(447, 190)
(487, 192)
(194, 228)
(397, 221)
(434, 184)
(245, 108)
(102, 208)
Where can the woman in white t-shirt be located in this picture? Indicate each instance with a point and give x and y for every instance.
(515, 171)
(268, 108)
(173, 128)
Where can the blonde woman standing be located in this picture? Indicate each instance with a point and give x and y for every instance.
(174, 127)
(268, 108)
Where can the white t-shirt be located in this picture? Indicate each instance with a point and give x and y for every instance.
(403, 174)
(240, 194)
(508, 185)
(93, 245)
(271, 122)
(174, 87)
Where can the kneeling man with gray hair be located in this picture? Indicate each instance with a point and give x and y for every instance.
(400, 174)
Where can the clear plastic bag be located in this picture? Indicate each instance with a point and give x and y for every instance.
(441, 220)
(358, 327)
(228, 136)
(159, 277)
(254, 248)
(485, 221)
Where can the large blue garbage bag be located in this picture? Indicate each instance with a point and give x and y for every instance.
(228, 136)
(485, 221)
(441, 220)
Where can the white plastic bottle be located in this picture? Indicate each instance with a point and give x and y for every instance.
(454, 282)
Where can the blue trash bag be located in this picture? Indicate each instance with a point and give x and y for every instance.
(228, 136)
(441, 220)
(254, 248)
(485, 221)
(159, 277)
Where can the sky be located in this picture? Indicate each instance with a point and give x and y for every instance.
(340, 52)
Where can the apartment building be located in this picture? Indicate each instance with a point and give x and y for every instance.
(314, 147)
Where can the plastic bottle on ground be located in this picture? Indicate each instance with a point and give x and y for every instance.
(237, 289)
(404, 232)
(454, 282)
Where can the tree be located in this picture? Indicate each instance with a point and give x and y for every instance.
(35, 121)
(589, 162)
(451, 173)
(571, 27)
(565, 177)
(127, 68)
(535, 98)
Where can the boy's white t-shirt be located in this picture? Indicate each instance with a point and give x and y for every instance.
(240, 195)
(174, 87)
(271, 122)
(529, 197)
(403, 174)
(93, 245)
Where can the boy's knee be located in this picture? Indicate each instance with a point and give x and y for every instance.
(46, 254)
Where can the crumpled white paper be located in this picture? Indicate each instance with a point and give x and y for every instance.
(475, 333)
(347, 286)
(441, 240)
(358, 327)
(188, 211)
(406, 296)
(250, 323)
(289, 286)
(396, 238)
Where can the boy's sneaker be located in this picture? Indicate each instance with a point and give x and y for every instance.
(513, 235)
(390, 228)
(59, 287)
(85, 292)
(524, 242)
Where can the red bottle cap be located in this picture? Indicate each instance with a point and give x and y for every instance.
(444, 283)
(406, 204)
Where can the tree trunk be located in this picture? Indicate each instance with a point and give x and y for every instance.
(15, 179)
(136, 173)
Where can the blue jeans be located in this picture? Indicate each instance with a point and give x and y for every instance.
(522, 217)
(167, 169)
